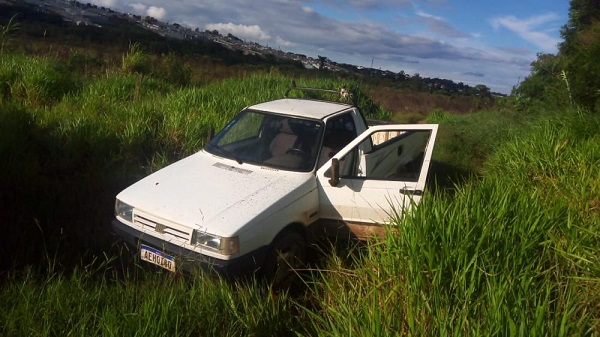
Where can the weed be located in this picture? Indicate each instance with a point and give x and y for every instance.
(6, 31)
(135, 60)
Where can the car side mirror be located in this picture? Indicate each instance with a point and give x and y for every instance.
(335, 172)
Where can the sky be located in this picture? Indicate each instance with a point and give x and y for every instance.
(470, 41)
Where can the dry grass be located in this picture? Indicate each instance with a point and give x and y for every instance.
(408, 106)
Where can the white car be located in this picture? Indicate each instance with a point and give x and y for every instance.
(278, 174)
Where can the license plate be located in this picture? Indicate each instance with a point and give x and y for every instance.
(157, 257)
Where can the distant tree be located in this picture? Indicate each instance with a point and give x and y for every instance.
(544, 81)
(483, 90)
(401, 75)
(580, 50)
(322, 60)
(582, 13)
(416, 82)
(583, 68)
(573, 75)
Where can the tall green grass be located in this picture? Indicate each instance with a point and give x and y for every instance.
(34, 81)
(81, 304)
(512, 252)
(466, 141)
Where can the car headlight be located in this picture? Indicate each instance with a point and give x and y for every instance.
(123, 210)
(219, 244)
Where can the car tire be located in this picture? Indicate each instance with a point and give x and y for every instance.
(286, 256)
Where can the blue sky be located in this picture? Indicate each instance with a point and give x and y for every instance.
(469, 41)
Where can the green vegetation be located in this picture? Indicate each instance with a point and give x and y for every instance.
(573, 72)
(82, 304)
(505, 243)
(512, 253)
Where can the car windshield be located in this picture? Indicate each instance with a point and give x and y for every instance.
(271, 140)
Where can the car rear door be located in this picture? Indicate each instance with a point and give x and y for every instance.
(382, 174)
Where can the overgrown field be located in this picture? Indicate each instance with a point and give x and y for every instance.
(506, 243)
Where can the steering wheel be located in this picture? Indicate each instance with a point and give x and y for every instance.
(297, 151)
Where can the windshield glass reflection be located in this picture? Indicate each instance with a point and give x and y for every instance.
(265, 139)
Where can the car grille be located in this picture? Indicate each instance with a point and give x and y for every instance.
(168, 229)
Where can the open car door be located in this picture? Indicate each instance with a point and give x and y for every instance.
(380, 175)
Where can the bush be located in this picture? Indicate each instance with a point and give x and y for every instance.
(136, 61)
(174, 71)
(34, 82)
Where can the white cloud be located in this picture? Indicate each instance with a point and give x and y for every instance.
(428, 16)
(105, 3)
(252, 32)
(139, 8)
(373, 4)
(440, 26)
(282, 42)
(156, 12)
(529, 29)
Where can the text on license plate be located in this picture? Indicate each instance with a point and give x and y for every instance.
(157, 257)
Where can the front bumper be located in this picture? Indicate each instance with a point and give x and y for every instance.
(190, 260)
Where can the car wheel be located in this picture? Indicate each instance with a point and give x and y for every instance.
(286, 255)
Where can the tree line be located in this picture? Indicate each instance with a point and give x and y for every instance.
(572, 75)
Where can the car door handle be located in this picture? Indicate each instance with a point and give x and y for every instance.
(409, 191)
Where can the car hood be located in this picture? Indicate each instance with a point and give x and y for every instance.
(215, 194)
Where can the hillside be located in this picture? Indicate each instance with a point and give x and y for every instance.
(106, 34)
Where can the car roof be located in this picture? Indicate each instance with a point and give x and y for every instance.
(308, 108)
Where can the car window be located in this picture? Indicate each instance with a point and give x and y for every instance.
(267, 139)
(339, 132)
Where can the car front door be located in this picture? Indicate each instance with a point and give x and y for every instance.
(382, 174)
